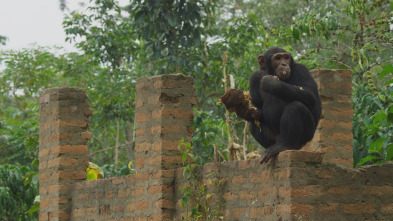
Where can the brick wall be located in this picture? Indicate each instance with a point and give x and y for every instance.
(315, 183)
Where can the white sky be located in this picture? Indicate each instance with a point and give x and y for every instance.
(25, 22)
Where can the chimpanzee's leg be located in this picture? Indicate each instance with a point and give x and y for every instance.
(263, 135)
(297, 127)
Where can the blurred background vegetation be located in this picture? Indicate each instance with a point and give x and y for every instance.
(121, 43)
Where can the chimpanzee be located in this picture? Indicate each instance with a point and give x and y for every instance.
(287, 104)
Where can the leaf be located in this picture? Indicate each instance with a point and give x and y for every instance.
(184, 201)
(389, 82)
(389, 153)
(364, 53)
(377, 144)
(367, 159)
(296, 33)
(386, 70)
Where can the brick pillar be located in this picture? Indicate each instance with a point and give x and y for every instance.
(334, 135)
(64, 119)
(163, 116)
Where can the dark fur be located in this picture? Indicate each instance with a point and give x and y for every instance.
(289, 110)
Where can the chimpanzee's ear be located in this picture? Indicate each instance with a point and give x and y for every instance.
(261, 61)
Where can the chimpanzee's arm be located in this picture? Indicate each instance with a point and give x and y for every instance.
(305, 90)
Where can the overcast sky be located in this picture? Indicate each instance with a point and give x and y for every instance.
(25, 22)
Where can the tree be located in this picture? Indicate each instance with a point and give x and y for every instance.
(17, 192)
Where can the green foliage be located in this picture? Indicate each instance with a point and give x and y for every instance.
(109, 170)
(18, 187)
(3, 40)
(373, 135)
(195, 196)
(26, 73)
(168, 29)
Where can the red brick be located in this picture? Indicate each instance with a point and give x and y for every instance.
(43, 216)
(59, 136)
(260, 212)
(140, 162)
(171, 160)
(59, 215)
(140, 205)
(142, 177)
(246, 195)
(118, 180)
(118, 208)
(245, 164)
(155, 130)
(163, 204)
(342, 112)
(282, 173)
(160, 217)
(239, 212)
(228, 196)
(262, 177)
(60, 200)
(86, 135)
(44, 152)
(173, 129)
(109, 194)
(70, 123)
(325, 174)
(164, 174)
(267, 192)
(58, 188)
(142, 147)
(43, 177)
(43, 190)
(387, 208)
(105, 210)
(91, 211)
(303, 191)
(140, 132)
(42, 165)
(359, 208)
(299, 156)
(138, 103)
(341, 161)
(160, 189)
(62, 161)
(78, 212)
(342, 136)
(124, 193)
(98, 196)
(138, 218)
(142, 117)
(328, 209)
(166, 145)
(138, 191)
(296, 208)
(69, 149)
(323, 123)
(341, 190)
(346, 125)
(238, 179)
(378, 190)
(44, 203)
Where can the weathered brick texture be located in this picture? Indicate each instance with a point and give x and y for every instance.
(163, 117)
(334, 136)
(315, 183)
(64, 118)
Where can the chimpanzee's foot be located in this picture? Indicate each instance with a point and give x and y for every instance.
(271, 152)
